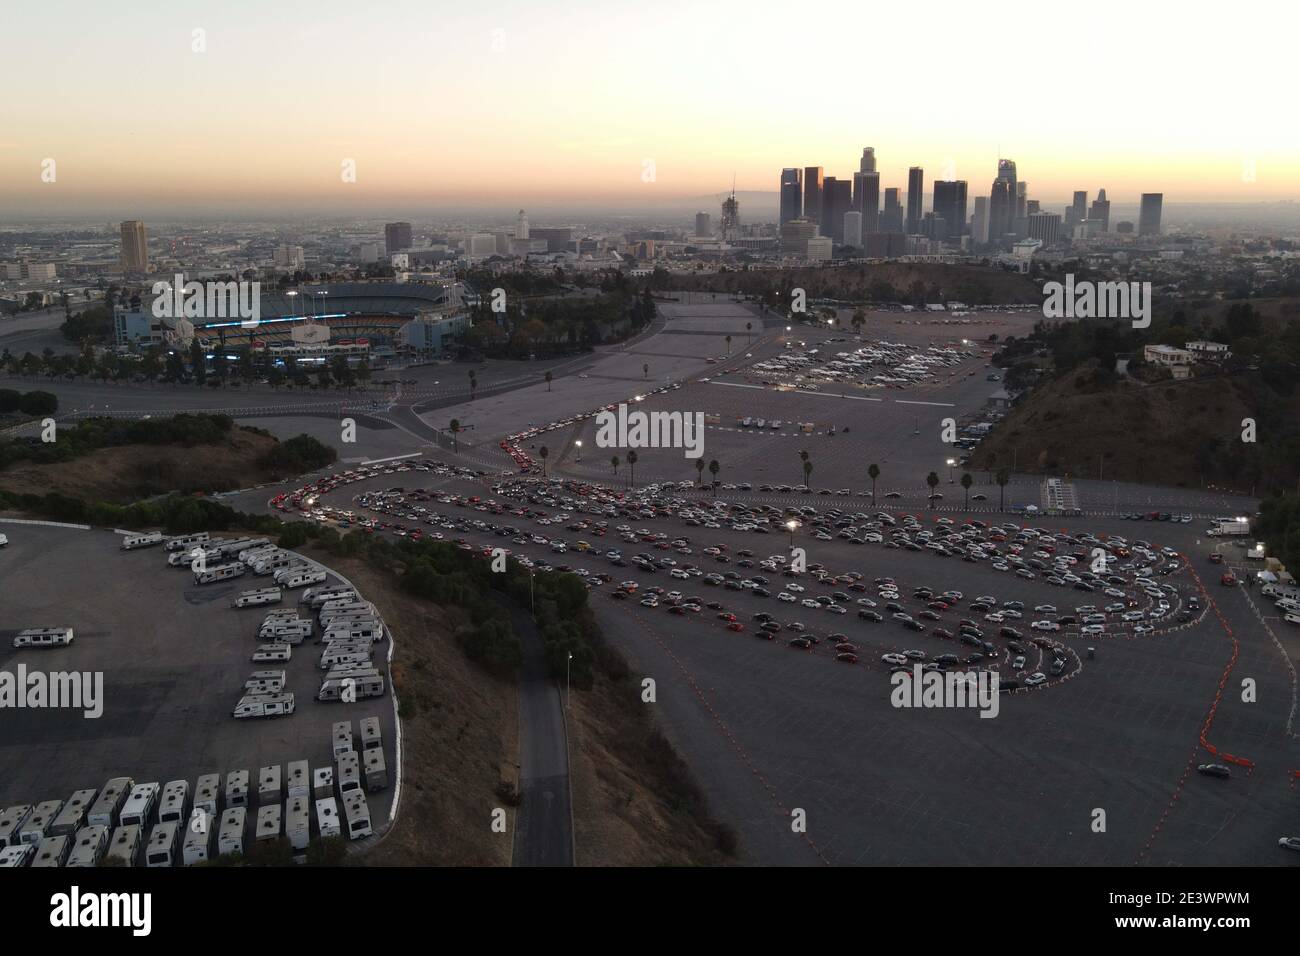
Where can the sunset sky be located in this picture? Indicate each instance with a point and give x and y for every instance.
(511, 102)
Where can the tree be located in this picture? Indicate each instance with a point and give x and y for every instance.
(859, 319)
(198, 363)
(615, 462)
(548, 380)
(699, 471)
(631, 467)
(966, 482)
(749, 330)
(803, 457)
(455, 430)
(645, 370)
(543, 453)
(714, 468)
(873, 472)
(728, 344)
(807, 471)
(175, 367)
(1002, 477)
(933, 481)
(473, 384)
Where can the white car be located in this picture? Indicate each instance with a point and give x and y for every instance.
(809, 602)
(893, 658)
(797, 588)
(1036, 678)
(1093, 629)
(787, 597)
(835, 609)
(1045, 626)
(3, 541)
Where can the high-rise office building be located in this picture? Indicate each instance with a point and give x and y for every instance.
(135, 247)
(1022, 197)
(704, 224)
(791, 194)
(915, 184)
(868, 162)
(1045, 226)
(397, 237)
(950, 204)
(866, 200)
(837, 199)
(1149, 214)
(891, 220)
(1080, 206)
(853, 229)
(1099, 214)
(521, 225)
(729, 225)
(812, 192)
(979, 223)
(1032, 206)
(1002, 210)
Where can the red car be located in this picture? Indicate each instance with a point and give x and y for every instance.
(847, 658)
(1228, 579)
(735, 626)
(726, 616)
(1216, 558)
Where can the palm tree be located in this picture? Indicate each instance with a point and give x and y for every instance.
(858, 320)
(714, 468)
(873, 472)
(699, 470)
(631, 464)
(803, 457)
(548, 381)
(615, 462)
(933, 481)
(1003, 476)
(807, 471)
(728, 344)
(645, 370)
(455, 430)
(966, 482)
(543, 453)
(749, 327)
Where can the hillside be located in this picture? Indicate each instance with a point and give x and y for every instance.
(880, 282)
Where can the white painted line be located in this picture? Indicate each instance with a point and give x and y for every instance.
(903, 401)
(380, 461)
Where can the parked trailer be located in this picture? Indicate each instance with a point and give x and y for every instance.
(269, 705)
(251, 553)
(163, 841)
(352, 619)
(53, 850)
(349, 631)
(297, 781)
(274, 653)
(188, 559)
(349, 773)
(322, 782)
(342, 735)
(270, 563)
(125, 844)
(187, 541)
(317, 596)
(197, 846)
(207, 794)
(175, 802)
(237, 788)
(73, 815)
(11, 823)
(89, 846)
(230, 838)
(356, 813)
(140, 804)
(327, 817)
(332, 609)
(268, 822)
(297, 822)
(296, 578)
(259, 596)
(275, 678)
(44, 637)
(133, 541)
(281, 614)
(38, 825)
(232, 547)
(222, 572)
(332, 658)
(12, 857)
(268, 785)
(371, 733)
(376, 770)
(348, 670)
(105, 810)
(298, 627)
(334, 688)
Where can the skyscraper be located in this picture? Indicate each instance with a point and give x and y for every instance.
(1022, 197)
(1045, 226)
(1002, 209)
(853, 228)
(915, 184)
(979, 224)
(397, 236)
(866, 200)
(791, 194)
(521, 225)
(868, 162)
(730, 222)
(704, 225)
(1099, 214)
(950, 204)
(812, 192)
(1080, 205)
(891, 220)
(1149, 214)
(135, 247)
(837, 199)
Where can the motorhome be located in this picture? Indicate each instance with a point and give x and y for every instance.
(194, 558)
(207, 794)
(12, 857)
(104, 811)
(237, 788)
(38, 824)
(133, 541)
(53, 850)
(222, 572)
(275, 653)
(317, 596)
(271, 563)
(139, 805)
(327, 817)
(354, 603)
(44, 637)
(269, 705)
(125, 844)
(342, 736)
(286, 629)
(349, 772)
(376, 769)
(268, 785)
(73, 815)
(175, 802)
(371, 733)
(258, 597)
(230, 838)
(268, 822)
(163, 841)
(250, 554)
(373, 633)
(11, 823)
(187, 541)
(347, 655)
(298, 577)
(1292, 617)
(257, 686)
(336, 688)
(89, 846)
(197, 846)
(322, 782)
(297, 781)
(297, 822)
(356, 813)
(1277, 591)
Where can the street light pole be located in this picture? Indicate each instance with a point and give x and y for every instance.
(568, 689)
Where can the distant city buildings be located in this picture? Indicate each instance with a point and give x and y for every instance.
(289, 257)
(135, 247)
(950, 206)
(1149, 214)
(915, 185)
(791, 195)
(704, 224)
(812, 192)
(837, 199)
(397, 237)
(1099, 214)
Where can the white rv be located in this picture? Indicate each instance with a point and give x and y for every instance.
(163, 840)
(53, 851)
(105, 810)
(298, 577)
(376, 770)
(175, 802)
(237, 789)
(139, 805)
(125, 844)
(230, 838)
(322, 783)
(197, 846)
(297, 822)
(268, 785)
(270, 705)
(222, 572)
(317, 596)
(187, 541)
(11, 823)
(349, 773)
(89, 846)
(258, 597)
(133, 541)
(207, 794)
(271, 563)
(38, 824)
(268, 822)
(275, 653)
(356, 813)
(335, 688)
(327, 817)
(12, 857)
(371, 734)
(298, 779)
(73, 815)
(44, 637)
(370, 632)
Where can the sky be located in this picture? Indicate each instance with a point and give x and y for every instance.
(505, 103)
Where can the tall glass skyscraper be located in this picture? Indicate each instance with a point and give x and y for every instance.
(915, 185)
(791, 194)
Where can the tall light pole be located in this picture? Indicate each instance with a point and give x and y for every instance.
(568, 689)
(791, 525)
(951, 464)
(579, 444)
